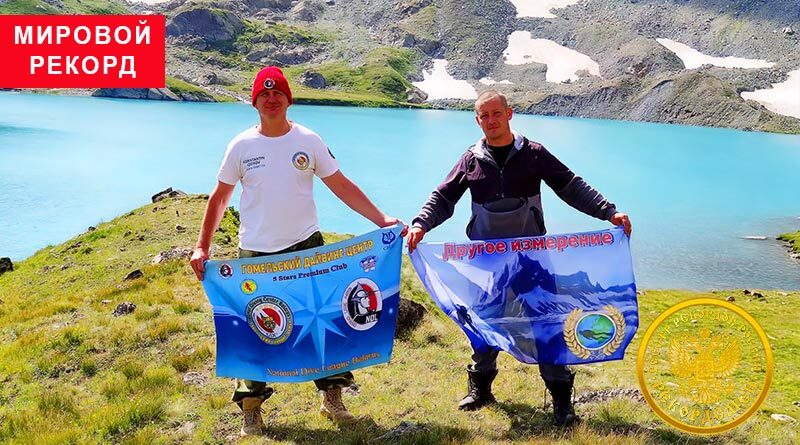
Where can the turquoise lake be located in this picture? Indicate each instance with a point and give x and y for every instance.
(692, 193)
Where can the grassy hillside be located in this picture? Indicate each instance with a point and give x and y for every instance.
(69, 7)
(72, 373)
(379, 81)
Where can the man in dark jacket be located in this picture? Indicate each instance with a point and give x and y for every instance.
(503, 172)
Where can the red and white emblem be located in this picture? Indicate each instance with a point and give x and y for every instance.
(362, 304)
(270, 318)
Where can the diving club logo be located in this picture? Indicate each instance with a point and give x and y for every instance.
(594, 335)
(225, 270)
(269, 83)
(368, 263)
(300, 160)
(270, 318)
(362, 304)
(388, 238)
(249, 286)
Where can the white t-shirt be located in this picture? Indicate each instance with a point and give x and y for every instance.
(277, 206)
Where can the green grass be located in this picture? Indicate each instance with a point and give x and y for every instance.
(70, 7)
(278, 33)
(95, 7)
(28, 7)
(311, 96)
(793, 239)
(183, 362)
(381, 77)
(73, 373)
(380, 81)
(775, 123)
(422, 24)
(179, 86)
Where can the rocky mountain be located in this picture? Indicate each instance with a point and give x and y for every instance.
(613, 59)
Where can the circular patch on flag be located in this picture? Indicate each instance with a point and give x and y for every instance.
(362, 304)
(595, 330)
(300, 160)
(225, 270)
(270, 318)
(249, 286)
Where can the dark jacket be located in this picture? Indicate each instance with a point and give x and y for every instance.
(506, 202)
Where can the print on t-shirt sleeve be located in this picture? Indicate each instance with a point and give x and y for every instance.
(324, 162)
(230, 170)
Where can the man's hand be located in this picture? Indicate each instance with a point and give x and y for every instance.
(621, 219)
(199, 257)
(390, 221)
(213, 215)
(415, 235)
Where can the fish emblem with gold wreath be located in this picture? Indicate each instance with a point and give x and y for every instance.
(596, 334)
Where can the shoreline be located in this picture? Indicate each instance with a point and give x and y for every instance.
(791, 240)
(443, 105)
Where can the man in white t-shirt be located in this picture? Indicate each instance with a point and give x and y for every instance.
(276, 162)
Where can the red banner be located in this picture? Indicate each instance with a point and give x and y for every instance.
(82, 51)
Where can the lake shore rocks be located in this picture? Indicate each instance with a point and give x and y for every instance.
(136, 93)
(168, 193)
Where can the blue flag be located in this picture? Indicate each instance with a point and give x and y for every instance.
(561, 299)
(309, 314)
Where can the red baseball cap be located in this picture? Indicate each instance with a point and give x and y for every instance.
(271, 78)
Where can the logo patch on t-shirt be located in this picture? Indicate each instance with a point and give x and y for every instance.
(300, 160)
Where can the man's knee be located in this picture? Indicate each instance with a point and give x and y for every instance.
(484, 361)
(250, 388)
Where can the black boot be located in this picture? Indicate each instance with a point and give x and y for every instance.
(563, 413)
(479, 390)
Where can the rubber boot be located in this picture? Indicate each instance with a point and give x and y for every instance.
(563, 412)
(479, 390)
